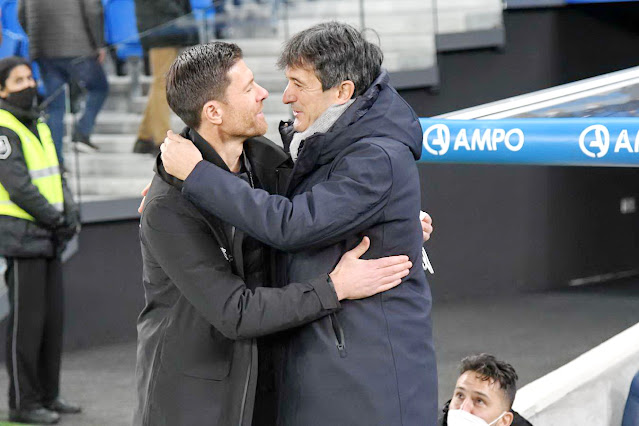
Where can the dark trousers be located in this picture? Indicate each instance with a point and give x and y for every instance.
(89, 75)
(34, 330)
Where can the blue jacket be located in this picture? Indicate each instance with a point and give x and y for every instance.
(373, 362)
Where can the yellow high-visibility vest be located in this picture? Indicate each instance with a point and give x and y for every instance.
(42, 162)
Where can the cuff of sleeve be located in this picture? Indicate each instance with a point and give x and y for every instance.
(326, 292)
(194, 177)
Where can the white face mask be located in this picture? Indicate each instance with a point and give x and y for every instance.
(464, 418)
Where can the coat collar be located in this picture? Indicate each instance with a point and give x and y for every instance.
(25, 116)
(208, 154)
(322, 148)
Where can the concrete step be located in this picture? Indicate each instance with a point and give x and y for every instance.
(120, 86)
(119, 102)
(122, 83)
(108, 143)
(345, 9)
(265, 47)
(399, 24)
(111, 122)
(101, 187)
(108, 165)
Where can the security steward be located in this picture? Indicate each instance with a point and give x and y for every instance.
(37, 219)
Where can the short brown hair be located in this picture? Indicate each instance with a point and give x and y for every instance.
(199, 75)
(490, 368)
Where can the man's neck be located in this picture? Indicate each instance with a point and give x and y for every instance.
(230, 150)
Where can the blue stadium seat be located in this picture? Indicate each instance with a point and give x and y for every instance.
(9, 9)
(204, 15)
(11, 44)
(121, 29)
(631, 412)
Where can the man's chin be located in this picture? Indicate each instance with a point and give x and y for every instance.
(298, 126)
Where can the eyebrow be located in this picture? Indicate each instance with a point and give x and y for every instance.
(474, 392)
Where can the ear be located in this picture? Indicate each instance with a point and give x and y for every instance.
(345, 92)
(508, 418)
(4, 93)
(212, 112)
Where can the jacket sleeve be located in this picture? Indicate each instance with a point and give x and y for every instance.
(190, 256)
(95, 20)
(14, 176)
(351, 198)
(71, 209)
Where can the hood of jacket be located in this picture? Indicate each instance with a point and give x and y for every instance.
(378, 113)
(263, 155)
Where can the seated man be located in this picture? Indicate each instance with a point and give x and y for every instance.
(484, 394)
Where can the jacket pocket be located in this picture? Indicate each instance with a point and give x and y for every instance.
(209, 357)
(338, 333)
(194, 348)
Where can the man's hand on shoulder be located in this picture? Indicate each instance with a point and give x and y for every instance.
(355, 278)
(179, 155)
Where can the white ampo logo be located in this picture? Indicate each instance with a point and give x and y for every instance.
(600, 140)
(441, 139)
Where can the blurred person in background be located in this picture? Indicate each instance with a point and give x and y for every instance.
(37, 219)
(163, 41)
(66, 39)
(483, 395)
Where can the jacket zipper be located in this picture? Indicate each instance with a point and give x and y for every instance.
(246, 386)
(340, 341)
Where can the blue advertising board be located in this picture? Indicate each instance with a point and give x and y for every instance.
(596, 1)
(610, 142)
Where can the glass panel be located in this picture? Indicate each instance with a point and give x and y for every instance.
(621, 102)
(459, 16)
(610, 95)
(406, 32)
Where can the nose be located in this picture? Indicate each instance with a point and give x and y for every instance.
(288, 97)
(32, 82)
(263, 92)
(467, 405)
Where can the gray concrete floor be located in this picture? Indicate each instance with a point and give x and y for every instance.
(102, 380)
(537, 333)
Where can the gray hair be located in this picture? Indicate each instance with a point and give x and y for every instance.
(335, 52)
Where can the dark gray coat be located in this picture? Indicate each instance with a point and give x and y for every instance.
(197, 360)
(372, 363)
(62, 28)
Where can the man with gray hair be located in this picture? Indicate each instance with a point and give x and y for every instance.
(354, 142)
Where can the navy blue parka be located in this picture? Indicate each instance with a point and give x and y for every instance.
(372, 363)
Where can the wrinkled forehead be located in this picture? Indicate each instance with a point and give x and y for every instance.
(304, 73)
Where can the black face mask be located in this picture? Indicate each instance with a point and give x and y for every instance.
(24, 99)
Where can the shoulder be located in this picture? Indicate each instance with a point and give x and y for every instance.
(367, 151)
(395, 150)
(167, 211)
(10, 144)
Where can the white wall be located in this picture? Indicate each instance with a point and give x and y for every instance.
(590, 390)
